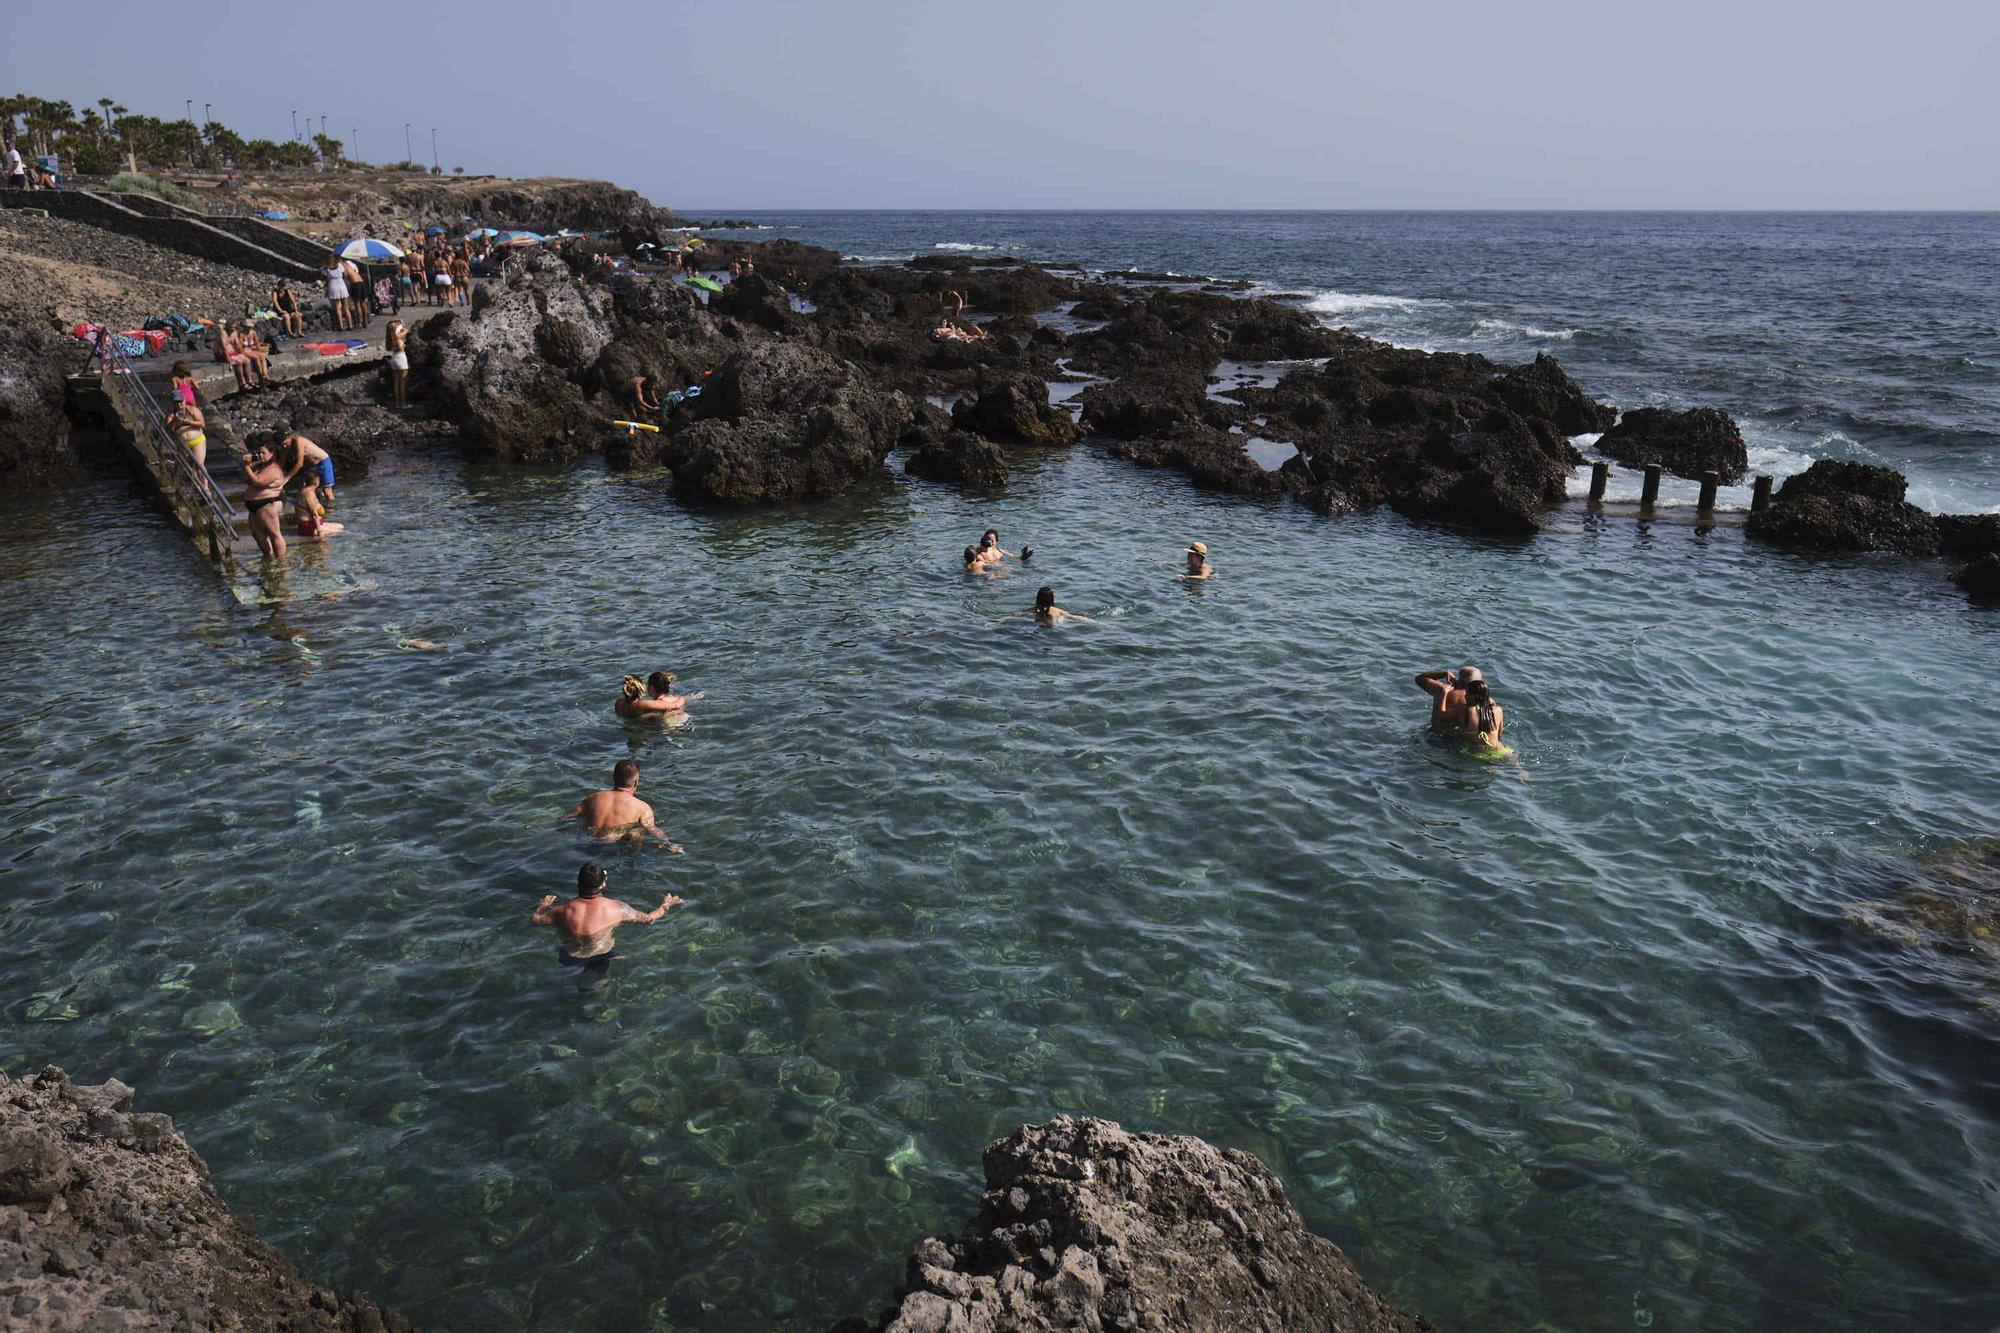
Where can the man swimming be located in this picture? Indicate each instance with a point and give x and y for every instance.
(588, 923)
(619, 813)
(1447, 693)
(1197, 562)
(1046, 612)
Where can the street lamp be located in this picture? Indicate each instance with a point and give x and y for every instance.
(206, 108)
(295, 126)
(407, 154)
(434, 149)
(322, 127)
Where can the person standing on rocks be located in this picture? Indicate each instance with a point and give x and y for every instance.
(397, 339)
(588, 923)
(645, 396)
(263, 488)
(619, 814)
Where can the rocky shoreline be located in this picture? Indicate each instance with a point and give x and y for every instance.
(108, 1222)
(815, 370)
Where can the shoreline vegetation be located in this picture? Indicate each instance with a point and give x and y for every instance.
(813, 371)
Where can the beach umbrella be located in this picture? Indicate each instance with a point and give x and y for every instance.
(275, 215)
(517, 238)
(370, 248)
(433, 231)
(486, 231)
(706, 284)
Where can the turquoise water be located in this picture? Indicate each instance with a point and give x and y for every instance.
(1577, 1041)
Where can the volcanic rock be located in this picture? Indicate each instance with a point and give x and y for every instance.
(107, 1222)
(1086, 1226)
(1969, 536)
(512, 399)
(778, 422)
(1981, 578)
(1014, 409)
(1839, 506)
(1212, 459)
(1155, 402)
(1686, 444)
(962, 459)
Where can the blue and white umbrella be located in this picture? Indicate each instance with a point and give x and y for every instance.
(370, 248)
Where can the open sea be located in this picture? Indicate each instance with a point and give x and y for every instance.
(1577, 1041)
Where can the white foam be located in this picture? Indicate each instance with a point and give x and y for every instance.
(1347, 303)
(962, 245)
(1525, 330)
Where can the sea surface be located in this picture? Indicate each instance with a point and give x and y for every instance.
(1577, 1041)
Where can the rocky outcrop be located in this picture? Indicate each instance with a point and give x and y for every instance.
(1981, 578)
(1014, 409)
(1837, 506)
(1969, 536)
(1153, 402)
(1086, 1226)
(781, 422)
(1686, 444)
(1212, 459)
(107, 1222)
(962, 459)
(34, 431)
(511, 373)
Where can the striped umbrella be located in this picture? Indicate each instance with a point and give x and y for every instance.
(486, 231)
(517, 238)
(370, 248)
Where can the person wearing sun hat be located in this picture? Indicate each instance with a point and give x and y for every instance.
(1197, 561)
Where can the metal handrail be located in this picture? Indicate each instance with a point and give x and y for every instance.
(118, 379)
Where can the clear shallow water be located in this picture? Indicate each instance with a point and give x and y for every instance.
(1574, 1042)
(1868, 336)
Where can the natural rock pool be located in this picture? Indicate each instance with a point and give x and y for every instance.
(1578, 1041)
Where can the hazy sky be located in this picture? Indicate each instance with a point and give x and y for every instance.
(748, 104)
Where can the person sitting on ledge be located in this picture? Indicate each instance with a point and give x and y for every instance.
(619, 813)
(655, 698)
(287, 306)
(588, 923)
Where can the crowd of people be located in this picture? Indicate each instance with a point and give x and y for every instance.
(26, 174)
(267, 471)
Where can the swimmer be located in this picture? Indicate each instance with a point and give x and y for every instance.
(990, 550)
(1484, 719)
(653, 699)
(1046, 612)
(973, 563)
(619, 813)
(1447, 693)
(1197, 562)
(587, 923)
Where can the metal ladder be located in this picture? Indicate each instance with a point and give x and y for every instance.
(198, 503)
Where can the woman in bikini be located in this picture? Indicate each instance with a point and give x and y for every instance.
(263, 489)
(191, 429)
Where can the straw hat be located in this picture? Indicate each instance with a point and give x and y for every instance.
(1199, 548)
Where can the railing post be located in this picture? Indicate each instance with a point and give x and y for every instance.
(1650, 491)
(1600, 473)
(1709, 481)
(1760, 495)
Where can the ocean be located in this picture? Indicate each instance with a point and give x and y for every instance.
(1582, 1040)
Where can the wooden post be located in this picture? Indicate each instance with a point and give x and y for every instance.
(1760, 495)
(1709, 481)
(1650, 492)
(1600, 473)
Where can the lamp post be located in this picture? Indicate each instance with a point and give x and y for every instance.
(434, 150)
(295, 126)
(191, 130)
(406, 143)
(355, 136)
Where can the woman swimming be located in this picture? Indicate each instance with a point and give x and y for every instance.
(654, 698)
(1484, 719)
(1046, 612)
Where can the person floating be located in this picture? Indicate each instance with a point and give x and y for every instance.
(1447, 691)
(1046, 612)
(588, 923)
(619, 813)
(654, 698)
(1197, 562)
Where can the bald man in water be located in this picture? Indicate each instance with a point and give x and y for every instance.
(619, 813)
(1447, 693)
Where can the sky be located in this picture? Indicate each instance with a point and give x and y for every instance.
(891, 104)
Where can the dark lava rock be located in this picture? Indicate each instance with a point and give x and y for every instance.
(1969, 536)
(1543, 389)
(1686, 444)
(1084, 1226)
(757, 299)
(107, 1222)
(1156, 402)
(509, 399)
(780, 422)
(34, 432)
(1981, 578)
(1212, 459)
(1835, 506)
(1440, 436)
(1014, 409)
(961, 458)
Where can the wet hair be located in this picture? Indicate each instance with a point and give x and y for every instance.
(624, 773)
(661, 681)
(634, 687)
(590, 879)
(989, 533)
(1479, 702)
(1045, 598)
(971, 554)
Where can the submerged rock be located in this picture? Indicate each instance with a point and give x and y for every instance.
(1945, 905)
(1835, 506)
(1686, 444)
(1981, 578)
(107, 1222)
(781, 422)
(1086, 1226)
